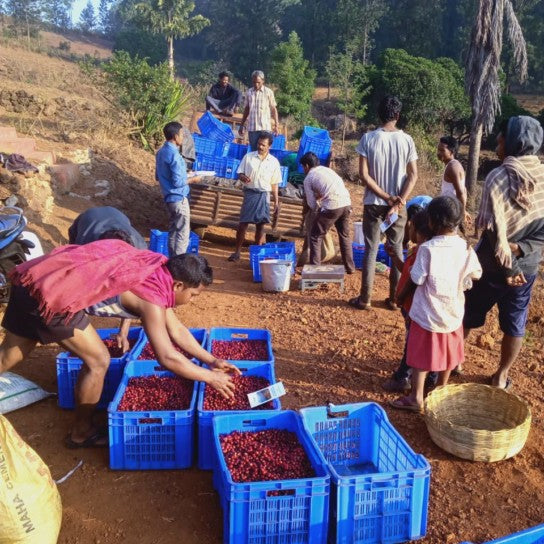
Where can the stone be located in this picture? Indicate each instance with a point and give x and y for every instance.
(485, 341)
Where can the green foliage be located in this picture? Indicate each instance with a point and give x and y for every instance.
(140, 43)
(87, 19)
(294, 78)
(147, 93)
(432, 92)
(57, 12)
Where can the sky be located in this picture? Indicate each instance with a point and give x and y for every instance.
(78, 6)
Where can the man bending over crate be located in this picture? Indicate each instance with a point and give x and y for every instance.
(48, 300)
(260, 173)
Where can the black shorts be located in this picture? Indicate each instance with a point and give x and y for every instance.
(23, 318)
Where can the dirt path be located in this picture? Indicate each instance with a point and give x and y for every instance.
(324, 351)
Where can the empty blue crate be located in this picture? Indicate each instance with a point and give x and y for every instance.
(379, 486)
(358, 253)
(316, 140)
(281, 154)
(238, 151)
(284, 176)
(205, 431)
(150, 440)
(68, 367)
(201, 336)
(278, 142)
(232, 334)
(158, 242)
(534, 535)
(210, 127)
(207, 146)
(275, 511)
(224, 167)
(272, 250)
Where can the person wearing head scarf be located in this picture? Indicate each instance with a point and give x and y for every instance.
(511, 215)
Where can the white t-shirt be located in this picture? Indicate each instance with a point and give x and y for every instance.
(444, 268)
(388, 154)
(324, 184)
(263, 173)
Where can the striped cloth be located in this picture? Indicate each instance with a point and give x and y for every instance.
(512, 198)
(259, 103)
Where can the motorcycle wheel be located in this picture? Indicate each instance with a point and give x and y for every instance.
(7, 264)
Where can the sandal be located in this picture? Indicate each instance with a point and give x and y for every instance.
(391, 304)
(393, 385)
(457, 371)
(404, 403)
(97, 440)
(234, 258)
(507, 385)
(356, 303)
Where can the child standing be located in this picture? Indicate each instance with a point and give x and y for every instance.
(444, 268)
(418, 233)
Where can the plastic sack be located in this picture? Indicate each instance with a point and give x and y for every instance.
(30, 506)
(17, 392)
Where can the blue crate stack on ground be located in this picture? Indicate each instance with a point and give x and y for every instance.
(150, 440)
(284, 176)
(272, 250)
(212, 128)
(278, 511)
(208, 146)
(158, 241)
(379, 486)
(316, 140)
(534, 535)
(238, 151)
(278, 142)
(68, 367)
(358, 253)
(205, 417)
(281, 154)
(224, 167)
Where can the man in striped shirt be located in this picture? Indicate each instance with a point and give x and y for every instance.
(259, 109)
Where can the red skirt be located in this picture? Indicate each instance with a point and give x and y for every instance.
(434, 351)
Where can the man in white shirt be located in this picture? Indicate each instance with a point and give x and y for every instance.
(388, 169)
(260, 172)
(260, 107)
(328, 197)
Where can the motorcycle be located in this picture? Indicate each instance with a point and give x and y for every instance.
(14, 249)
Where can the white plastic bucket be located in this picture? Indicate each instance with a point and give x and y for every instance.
(276, 274)
(358, 233)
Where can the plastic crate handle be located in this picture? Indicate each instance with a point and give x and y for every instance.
(254, 422)
(150, 421)
(239, 335)
(333, 415)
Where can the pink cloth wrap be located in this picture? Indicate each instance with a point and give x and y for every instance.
(73, 277)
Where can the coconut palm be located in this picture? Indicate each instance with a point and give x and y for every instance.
(482, 70)
(171, 19)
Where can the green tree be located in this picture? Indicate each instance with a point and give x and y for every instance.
(139, 43)
(294, 78)
(25, 16)
(169, 18)
(57, 12)
(104, 15)
(87, 19)
(347, 74)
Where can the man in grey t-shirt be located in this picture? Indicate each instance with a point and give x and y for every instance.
(388, 169)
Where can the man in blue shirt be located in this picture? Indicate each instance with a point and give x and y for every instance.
(171, 173)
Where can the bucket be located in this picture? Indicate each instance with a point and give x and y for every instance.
(276, 274)
(358, 237)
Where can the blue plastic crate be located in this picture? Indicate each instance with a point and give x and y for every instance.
(284, 176)
(379, 486)
(201, 336)
(316, 140)
(207, 146)
(68, 368)
(158, 242)
(150, 440)
(224, 167)
(211, 127)
(281, 154)
(534, 535)
(277, 250)
(278, 142)
(233, 333)
(238, 151)
(252, 514)
(205, 431)
(358, 253)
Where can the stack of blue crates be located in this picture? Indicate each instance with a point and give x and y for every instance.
(534, 535)
(208, 146)
(272, 250)
(379, 486)
(224, 167)
(318, 141)
(158, 242)
(211, 127)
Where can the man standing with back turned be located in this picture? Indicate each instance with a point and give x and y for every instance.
(388, 169)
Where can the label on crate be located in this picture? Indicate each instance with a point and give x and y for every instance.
(267, 394)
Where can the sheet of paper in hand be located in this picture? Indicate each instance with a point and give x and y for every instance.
(389, 220)
(264, 395)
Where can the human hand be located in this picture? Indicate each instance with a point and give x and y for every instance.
(122, 342)
(221, 382)
(241, 130)
(517, 280)
(389, 249)
(395, 209)
(468, 219)
(225, 366)
(194, 179)
(514, 248)
(244, 179)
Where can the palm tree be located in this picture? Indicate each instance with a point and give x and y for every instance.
(482, 70)
(171, 19)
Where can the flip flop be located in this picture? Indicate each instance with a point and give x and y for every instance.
(507, 385)
(403, 403)
(356, 303)
(234, 258)
(93, 441)
(390, 304)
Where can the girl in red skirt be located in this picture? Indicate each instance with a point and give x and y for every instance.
(444, 268)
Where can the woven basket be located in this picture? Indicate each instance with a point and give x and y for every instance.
(477, 422)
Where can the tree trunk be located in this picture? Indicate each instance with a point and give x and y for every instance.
(473, 159)
(171, 55)
(343, 134)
